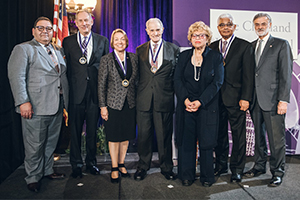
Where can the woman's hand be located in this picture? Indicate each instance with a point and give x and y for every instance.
(192, 106)
(104, 113)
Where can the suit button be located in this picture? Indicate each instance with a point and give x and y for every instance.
(256, 74)
(87, 78)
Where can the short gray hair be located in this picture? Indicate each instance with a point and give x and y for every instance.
(258, 15)
(153, 20)
(225, 15)
(84, 10)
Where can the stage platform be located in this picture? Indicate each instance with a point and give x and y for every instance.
(154, 186)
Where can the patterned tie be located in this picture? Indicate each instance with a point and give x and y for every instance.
(84, 46)
(154, 65)
(224, 46)
(258, 52)
(52, 57)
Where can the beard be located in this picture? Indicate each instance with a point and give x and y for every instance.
(262, 32)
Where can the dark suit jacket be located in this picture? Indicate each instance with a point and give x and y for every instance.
(110, 89)
(79, 75)
(211, 79)
(239, 72)
(273, 73)
(156, 87)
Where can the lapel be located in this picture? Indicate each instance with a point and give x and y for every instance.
(146, 55)
(166, 55)
(44, 54)
(96, 46)
(75, 45)
(231, 51)
(265, 52)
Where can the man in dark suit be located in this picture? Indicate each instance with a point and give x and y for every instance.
(236, 93)
(83, 52)
(273, 74)
(37, 75)
(155, 99)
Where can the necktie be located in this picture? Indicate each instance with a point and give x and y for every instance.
(84, 46)
(224, 46)
(52, 58)
(258, 52)
(154, 65)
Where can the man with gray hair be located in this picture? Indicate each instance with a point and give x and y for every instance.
(83, 53)
(273, 74)
(235, 96)
(155, 100)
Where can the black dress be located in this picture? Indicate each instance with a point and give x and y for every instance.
(121, 124)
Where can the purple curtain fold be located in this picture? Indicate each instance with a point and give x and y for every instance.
(131, 16)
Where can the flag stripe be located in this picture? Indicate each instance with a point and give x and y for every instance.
(60, 21)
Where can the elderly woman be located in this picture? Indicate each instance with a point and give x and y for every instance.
(197, 80)
(117, 81)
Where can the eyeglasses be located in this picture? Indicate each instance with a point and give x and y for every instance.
(229, 25)
(202, 36)
(42, 28)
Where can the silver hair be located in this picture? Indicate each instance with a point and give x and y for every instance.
(152, 20)
(225, 15)
(258, 15)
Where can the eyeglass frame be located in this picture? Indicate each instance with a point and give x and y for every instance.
(229, 25)
(201, 36)
(42, 28)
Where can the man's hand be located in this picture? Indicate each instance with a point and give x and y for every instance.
(26, 110)
(244, 105)
(281, 108)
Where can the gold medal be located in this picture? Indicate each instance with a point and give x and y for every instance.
(153, 69)
(125, 83)
(82, 60)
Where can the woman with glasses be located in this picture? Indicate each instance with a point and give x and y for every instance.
(118, 73)
(197, 80)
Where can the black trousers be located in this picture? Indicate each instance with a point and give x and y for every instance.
(187, 153)
(237, 120)
(274, 124)
(162, 123)
(88, 111)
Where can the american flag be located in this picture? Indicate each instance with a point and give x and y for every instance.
(60, 22)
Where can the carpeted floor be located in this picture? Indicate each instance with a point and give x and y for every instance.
(154, 186)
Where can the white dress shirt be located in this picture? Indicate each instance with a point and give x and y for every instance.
(89, 46)
(160, 53)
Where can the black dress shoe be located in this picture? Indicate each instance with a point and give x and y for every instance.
(55, 176)
(169, 175)
(34, 187)
(219, 171)
(140, 174)
(187, 182)
(253, 173)
(114, 180)
(124, 175)
(236, 177)
(93, 170)
(207, 184)
(77, 172)
(275, 181)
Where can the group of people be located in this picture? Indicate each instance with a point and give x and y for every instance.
(214, 83)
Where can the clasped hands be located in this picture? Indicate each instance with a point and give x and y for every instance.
(192, 106)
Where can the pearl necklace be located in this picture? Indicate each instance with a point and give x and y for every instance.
(196, 75)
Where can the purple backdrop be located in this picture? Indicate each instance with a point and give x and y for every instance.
(186, 12)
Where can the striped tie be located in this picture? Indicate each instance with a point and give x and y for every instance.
(52, 58)
(84, 46)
